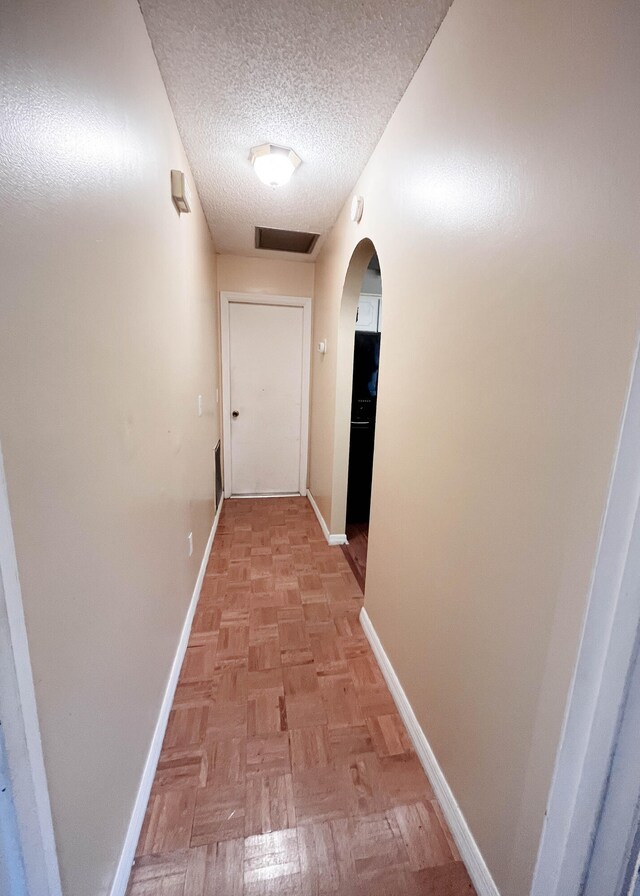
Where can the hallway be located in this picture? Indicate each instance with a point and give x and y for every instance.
(285, 768)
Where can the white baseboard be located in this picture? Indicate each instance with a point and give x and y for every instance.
(331, 539)
(123, 870)
(467, 846)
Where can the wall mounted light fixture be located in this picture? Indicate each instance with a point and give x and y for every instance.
(357, 208)
(274, 164)
(180, 192)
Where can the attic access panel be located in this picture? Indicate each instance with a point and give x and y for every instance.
(286, 240)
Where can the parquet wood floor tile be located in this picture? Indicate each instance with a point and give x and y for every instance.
(341, 701)
(228, 762)
(168, 821)
(286, 768)
(179, 768)
(365, 791)
(309, 747)
(163, 874)
(230, 685)
(403, 780)
(224, 871)
(321, 794)
(269, 754)
(187, 726)
(269, 804)
(266, 713)
(226, 720)
(444, 880)
(423, 836)
(375, 846)
(219, 814)
(319, 866)
(350, 741)
(199, 663)
(265, 654)
(389, 735)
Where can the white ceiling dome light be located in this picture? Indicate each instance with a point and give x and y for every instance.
(274, 164)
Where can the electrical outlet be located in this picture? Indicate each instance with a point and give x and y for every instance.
(199, 405)
(190, 540)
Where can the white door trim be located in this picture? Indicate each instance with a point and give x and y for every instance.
(597, 694)
(20, 723)
(304, 302)
(614, 858)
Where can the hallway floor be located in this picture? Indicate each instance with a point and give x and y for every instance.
(285, 768)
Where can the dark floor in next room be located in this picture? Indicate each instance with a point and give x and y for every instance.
(355, 550)
(285, 768)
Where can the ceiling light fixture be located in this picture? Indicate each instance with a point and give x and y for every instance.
(274, 164)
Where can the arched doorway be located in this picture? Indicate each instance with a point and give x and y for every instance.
(356, 404)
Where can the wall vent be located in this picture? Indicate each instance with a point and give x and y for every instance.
(285, 240)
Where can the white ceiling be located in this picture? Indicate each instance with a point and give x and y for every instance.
(321, 76)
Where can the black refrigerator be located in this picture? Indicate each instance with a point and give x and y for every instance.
(364, 396)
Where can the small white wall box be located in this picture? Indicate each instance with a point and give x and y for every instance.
(357, 208)
(180, 192)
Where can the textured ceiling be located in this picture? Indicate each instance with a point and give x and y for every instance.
(321, 76)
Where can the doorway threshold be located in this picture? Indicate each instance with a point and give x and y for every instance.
(271, 495)
(355, 550)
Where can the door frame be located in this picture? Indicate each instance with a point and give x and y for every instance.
(304, 302)
(598, 692)
(614, 858)
(19, 715)
(360, 258)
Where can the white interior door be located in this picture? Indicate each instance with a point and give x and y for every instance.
(266, 372)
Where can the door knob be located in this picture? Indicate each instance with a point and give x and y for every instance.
(235, 414)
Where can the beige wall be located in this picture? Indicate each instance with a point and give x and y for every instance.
(108, 333)
(238, 273)
(503, 202)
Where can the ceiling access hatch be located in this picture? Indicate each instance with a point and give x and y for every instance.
(286, 240)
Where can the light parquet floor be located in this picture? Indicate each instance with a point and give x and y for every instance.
(285, 767)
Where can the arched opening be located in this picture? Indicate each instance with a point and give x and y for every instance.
(356, 402)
